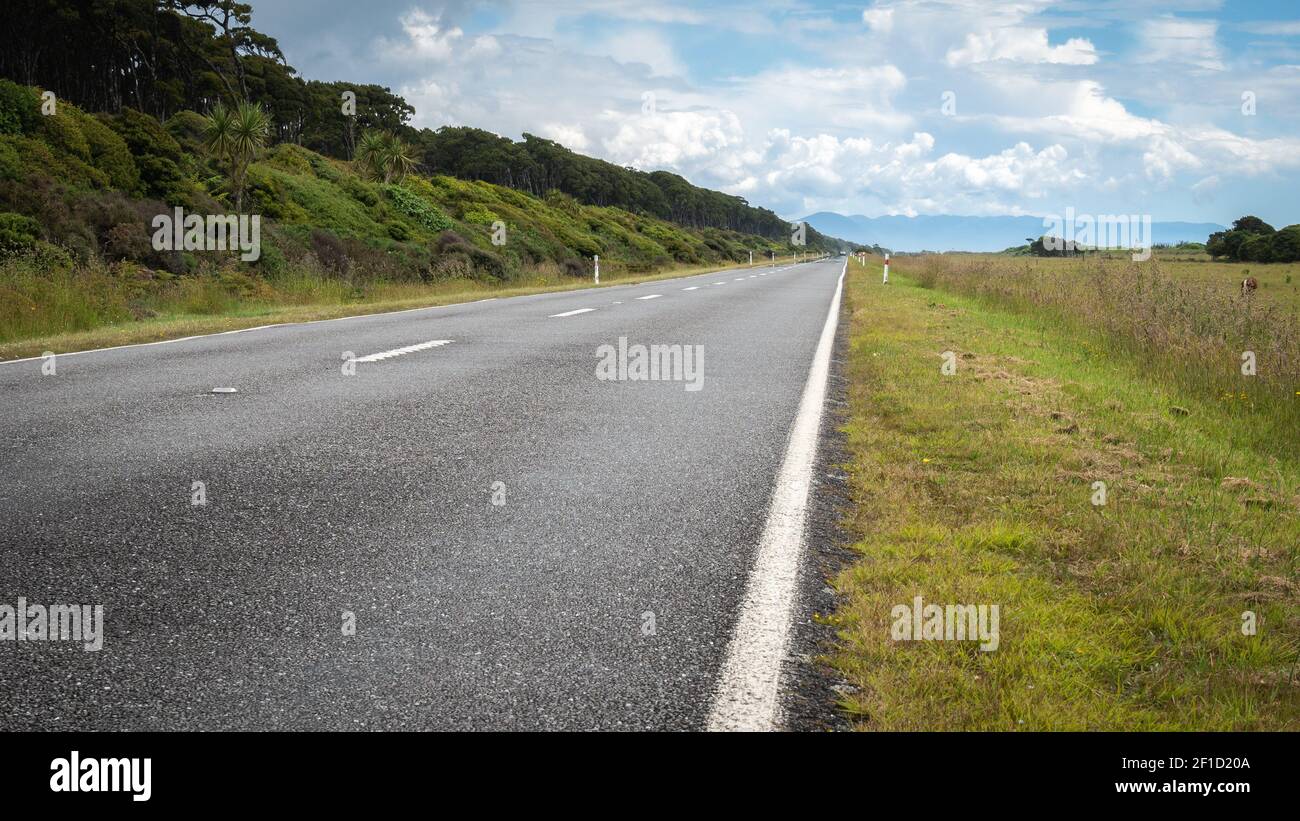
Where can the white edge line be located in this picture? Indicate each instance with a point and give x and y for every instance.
(747, 696)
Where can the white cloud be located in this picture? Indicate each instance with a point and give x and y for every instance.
(1165, 157)
(1073, 110)
(486, 46)
(1023, 45)
(570, 136)
(860, 129)
(1204, 190)
(425, 39)
(643, 46)
(878, 19)
(671, 138)
(1273, 28)
(1188, 42)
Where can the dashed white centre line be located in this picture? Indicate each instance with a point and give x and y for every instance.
(719, 283)
(650, 296)
(423, 346)
(572, 313)
(692, 288)
(738, 279)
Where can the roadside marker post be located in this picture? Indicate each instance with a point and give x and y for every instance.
(886, 269)
(751, 259)
(597, 257)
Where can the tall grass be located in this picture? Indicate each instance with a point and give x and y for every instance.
(36, 299)
(1190, 333)
(45, 299)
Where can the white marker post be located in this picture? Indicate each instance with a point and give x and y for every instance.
(597, 257)
(886, 269)
(751, 259)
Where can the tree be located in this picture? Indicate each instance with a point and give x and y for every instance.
(382, 155)
(236, 135)
(1250, 239)
(1252, 225)
(1257, 248)
(1286, 244)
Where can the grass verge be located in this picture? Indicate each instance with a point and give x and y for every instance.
(207, 308)
(978, 488)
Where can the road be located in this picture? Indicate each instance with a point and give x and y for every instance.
(599, 592)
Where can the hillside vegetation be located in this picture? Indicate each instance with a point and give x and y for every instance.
(161, 57)
(78, 193)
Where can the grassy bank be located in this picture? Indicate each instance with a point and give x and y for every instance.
(978, 488)
(98, 306)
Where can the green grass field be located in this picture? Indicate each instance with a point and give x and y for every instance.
(978, 488)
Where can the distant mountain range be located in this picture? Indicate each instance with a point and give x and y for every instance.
(944, 232)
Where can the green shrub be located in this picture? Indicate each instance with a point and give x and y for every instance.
(292, 158)
(144, 135)
(163, 179)
(157, 156)
(20, 108)
(479, 216)
(360, 191)
(186, 127)
(423, 213)
(18, 234)
(11, 166)
(460, 256)
(561, 201)
(62, 133)
(108, 152)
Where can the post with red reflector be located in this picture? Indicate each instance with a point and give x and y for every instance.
(886, 269)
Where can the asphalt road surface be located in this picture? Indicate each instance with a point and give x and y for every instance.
(600, 592)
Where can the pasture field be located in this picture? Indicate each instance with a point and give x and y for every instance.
(1172, 604)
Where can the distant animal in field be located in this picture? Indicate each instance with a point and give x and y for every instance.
(1248, 286)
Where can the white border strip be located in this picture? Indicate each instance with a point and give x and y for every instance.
(747, 695)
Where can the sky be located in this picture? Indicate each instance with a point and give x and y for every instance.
(1178, 109)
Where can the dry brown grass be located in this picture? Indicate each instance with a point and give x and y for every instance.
(1187, 331)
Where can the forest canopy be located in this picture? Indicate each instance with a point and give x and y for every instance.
(161, 57)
